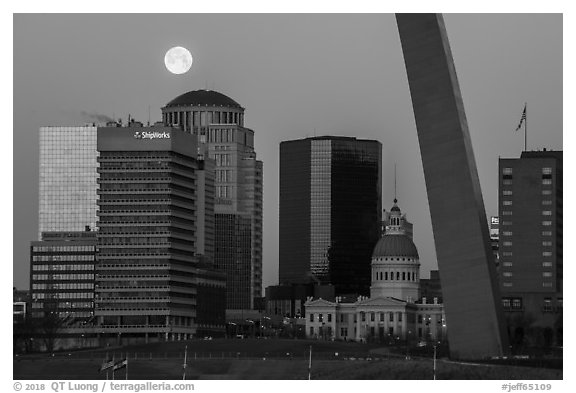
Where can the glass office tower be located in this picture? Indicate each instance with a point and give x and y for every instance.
(68, 179)
(330, 211)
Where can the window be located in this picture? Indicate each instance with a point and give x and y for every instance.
(507, 182)
(355, 318)
(547, 243)
(382, 316)
(546, 264)
(506, 303)
(507, 233)
(507, 284)
(399, 317)
(506, 253)
(385, 275)
(546, 181)
(507, 171)
(546, 233)
(506, 222)
(547, 307)
(546, 202)
(391, 317)
(546, 171)
(547, 284)
(546, 223)
(311, 331)
(320, 318)
(547, 253)
(419, 318)
(546, 212)
(507, 192)
(507, 203)
(507, 264)
(403, 276)
(341, 317)
(546, 192)
(329, 317)
(507, 274)
(372, 316)
(311, 317)
(517, 303)
(507, 244)
(547, 274)
(506, 213)
(363, 316)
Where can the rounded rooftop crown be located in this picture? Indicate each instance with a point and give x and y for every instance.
(204, 98)
(395, 245)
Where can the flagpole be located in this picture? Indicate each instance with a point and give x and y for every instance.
(310, 364)
(185, 356)
(126, 365)
(525, 126)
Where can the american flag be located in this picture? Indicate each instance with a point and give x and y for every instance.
(523, 119)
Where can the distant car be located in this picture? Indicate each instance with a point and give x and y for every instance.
(422, 344)
(207, 338)
(239, 336)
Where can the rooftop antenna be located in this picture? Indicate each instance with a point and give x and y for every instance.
(395, 199)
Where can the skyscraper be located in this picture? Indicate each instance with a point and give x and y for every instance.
(68, 176)
(330, 211)
(530, 245)
(217, 122)
(152, 281)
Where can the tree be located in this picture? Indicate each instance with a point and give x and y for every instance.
(48, 329)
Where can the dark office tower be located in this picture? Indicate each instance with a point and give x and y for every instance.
(152, 281)
(217, 122)
(330, 211)
(530, 209)
(62, 276)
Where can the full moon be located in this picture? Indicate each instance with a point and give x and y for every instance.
(178, 60)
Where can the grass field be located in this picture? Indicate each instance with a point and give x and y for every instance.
(244, 359)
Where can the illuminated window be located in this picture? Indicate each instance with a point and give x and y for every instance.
(507, 171)
(546, 213)
(507, 192)
(507, 203)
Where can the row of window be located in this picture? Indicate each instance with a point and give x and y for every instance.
(60, 295)
(362, 317)
(406, 276)
(86, 266)
(63, 248)
(66, 305)
(545, 171)
(63, 286)
(544, 264)
(58, 258)
(43, 277)
(545, 284)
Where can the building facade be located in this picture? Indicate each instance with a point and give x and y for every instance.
(68, 179)
(152, 281)
(394, 311)
(531, 231)
(62, 274)
(330, 211)
(217, 123)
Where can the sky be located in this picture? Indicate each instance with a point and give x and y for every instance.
(297, 75)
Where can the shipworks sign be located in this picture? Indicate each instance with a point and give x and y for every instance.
(151, 135)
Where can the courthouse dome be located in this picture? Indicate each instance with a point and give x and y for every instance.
(395, 245)
(204, 98)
